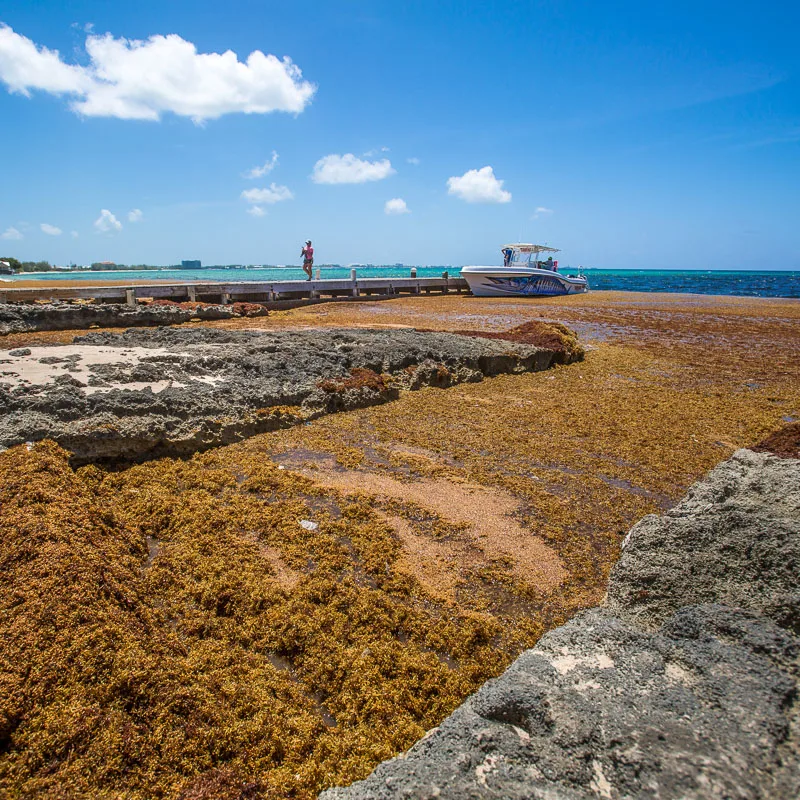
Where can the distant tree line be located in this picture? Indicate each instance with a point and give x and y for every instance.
(27, 266)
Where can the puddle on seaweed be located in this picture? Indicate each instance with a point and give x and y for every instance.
(442, 658)
(322, 505)
(301, 458)
(279, 662)
(594, 331)
(327, 718)
(153, 547)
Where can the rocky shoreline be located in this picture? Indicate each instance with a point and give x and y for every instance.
(63, 316)
(173, 391)
(682, 684)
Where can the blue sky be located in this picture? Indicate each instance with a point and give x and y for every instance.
(627, 134)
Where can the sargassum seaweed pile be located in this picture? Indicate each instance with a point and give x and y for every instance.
(173, 630)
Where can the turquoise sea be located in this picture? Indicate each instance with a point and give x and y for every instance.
(756, 283)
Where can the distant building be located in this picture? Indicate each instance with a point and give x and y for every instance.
(191, 265)
(6, 268)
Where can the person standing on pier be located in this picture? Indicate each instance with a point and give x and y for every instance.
(308, 259)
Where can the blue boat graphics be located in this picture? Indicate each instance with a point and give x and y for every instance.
(528, 285)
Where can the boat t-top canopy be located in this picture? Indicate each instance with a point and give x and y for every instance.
(522, 247)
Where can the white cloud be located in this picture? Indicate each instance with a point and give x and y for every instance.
(135, 215)
(134, 79)
(74, 234)
(265, 169)
(274, 194)
(349, 169)
(23, 67)
(413, 160)
(396, 206)
(50, 230)
(11, 234)
(541, 211)
(478, 186)
(107, 222)
(256, 211)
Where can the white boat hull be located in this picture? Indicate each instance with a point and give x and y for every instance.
(521, 282)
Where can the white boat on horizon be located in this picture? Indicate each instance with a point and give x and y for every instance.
(524, 274)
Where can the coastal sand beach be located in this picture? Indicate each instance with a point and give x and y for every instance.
(454, 527)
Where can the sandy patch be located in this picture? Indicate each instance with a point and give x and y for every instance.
(74, 360)
(486, 511)
(286, 577)
(437, 565)
(77, 362)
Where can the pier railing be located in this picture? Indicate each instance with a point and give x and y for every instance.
(246, 291)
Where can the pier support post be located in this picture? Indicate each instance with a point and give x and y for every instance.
(354, 291)
(130, 297)
(226, 298)
(191, 293)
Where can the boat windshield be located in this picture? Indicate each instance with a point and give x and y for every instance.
(521, 258)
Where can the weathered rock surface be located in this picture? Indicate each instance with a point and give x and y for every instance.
(179, 390)
(683, 685)
(734, 539)
(24, 317)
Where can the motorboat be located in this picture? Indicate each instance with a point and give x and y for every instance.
(525, 273)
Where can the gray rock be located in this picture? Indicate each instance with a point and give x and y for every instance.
(224, 384)
(59, 316)
(734, 539)
(684, 685)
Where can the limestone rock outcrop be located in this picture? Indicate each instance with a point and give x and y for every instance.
(62, 316)
(175, 391)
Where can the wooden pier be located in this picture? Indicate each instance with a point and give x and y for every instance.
(239, 291)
